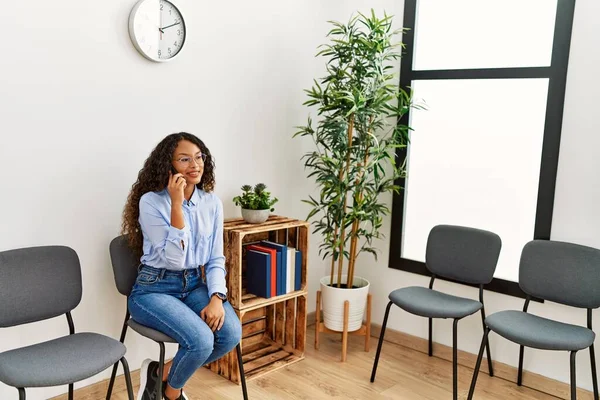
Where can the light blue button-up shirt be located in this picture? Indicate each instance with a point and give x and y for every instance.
(200, 242)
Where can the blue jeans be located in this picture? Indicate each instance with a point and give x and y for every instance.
(170, 302)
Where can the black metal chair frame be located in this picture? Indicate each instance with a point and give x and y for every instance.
(573, 354)
(485, 343)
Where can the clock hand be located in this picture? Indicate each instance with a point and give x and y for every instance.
(165, 27)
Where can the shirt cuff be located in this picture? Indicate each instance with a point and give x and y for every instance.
(216, 282)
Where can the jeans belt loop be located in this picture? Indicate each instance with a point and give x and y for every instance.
(162, 273)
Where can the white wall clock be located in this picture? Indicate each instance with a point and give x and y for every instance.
(157, 29)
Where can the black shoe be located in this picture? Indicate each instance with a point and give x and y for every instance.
(182, 396)
(148, 378)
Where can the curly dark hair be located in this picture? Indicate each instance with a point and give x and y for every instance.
(154, 177)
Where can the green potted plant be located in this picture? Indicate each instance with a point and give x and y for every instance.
(360, 106)
(256, 203)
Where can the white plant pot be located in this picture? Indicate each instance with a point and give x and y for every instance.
(255, 216)
(333, 299)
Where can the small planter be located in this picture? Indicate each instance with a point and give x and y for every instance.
(255, 216)
(333, 303)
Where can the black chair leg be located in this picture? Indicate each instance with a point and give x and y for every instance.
(385, 318)
(594, 375)
(455, 360)
(238, 349)
(486, 332)
(70, 391)
(487, 345)
(573, 377)
(161, 366)
(430, 337)
(520, 372)
(113, 375)
(21, 393)
(127, 378)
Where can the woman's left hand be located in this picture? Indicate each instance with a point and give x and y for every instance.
(214, 314)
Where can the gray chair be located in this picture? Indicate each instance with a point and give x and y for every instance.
(561, 272)
(125, 265)
(460, 254)
(39, 283)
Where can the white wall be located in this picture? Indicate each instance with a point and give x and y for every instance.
(576, 219)
(80, 111)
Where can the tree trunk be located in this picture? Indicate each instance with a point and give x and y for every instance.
(359, 196)
(343, 224)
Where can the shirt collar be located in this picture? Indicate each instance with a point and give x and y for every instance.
(195, 199)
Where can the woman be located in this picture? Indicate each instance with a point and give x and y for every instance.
(175, 225)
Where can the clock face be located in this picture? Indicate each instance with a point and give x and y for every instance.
(157, 29)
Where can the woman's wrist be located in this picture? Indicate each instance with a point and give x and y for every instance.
(215, 297)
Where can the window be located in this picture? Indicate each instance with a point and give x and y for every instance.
(485, 151)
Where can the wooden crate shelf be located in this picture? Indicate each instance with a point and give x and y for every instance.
(274, 329)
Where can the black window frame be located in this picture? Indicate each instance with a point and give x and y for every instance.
(557, 75)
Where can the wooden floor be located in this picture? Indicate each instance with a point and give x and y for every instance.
(403, 374)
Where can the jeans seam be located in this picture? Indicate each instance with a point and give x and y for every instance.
(158, 318)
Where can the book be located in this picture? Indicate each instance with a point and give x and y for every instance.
(281, 264)
(289, 269)
(275, 260)
(298, 271)
(258, 273)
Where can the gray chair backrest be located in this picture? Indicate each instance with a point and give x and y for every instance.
(124, 264)
(38, 283)
(561, 272)
(463, 254)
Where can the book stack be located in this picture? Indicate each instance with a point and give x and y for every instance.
(272, 269)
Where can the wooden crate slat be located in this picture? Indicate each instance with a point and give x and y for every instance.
(249, 301)
(259, 353)
(232, 222)
(303, 247)
(270, 318)
(255, 237)
(252, 340)
(241, 225)
(254, 327)
(264, 343)
(279, 321)
(285, 225)
(234, 371)
(268, 368)
(234, 265)
(290, 321)
(269, 358)
(254, 314)
(301, 324)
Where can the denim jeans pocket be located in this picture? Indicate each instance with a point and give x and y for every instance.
(147, 277)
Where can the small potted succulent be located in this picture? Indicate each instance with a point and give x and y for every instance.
(256, 203)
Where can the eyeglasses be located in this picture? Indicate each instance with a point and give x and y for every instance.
(188, 160)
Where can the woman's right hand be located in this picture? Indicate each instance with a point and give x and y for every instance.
(175, 187)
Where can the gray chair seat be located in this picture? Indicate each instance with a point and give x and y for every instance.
(60, 361)
(433, 304)
(150, 333)
(540, 333)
